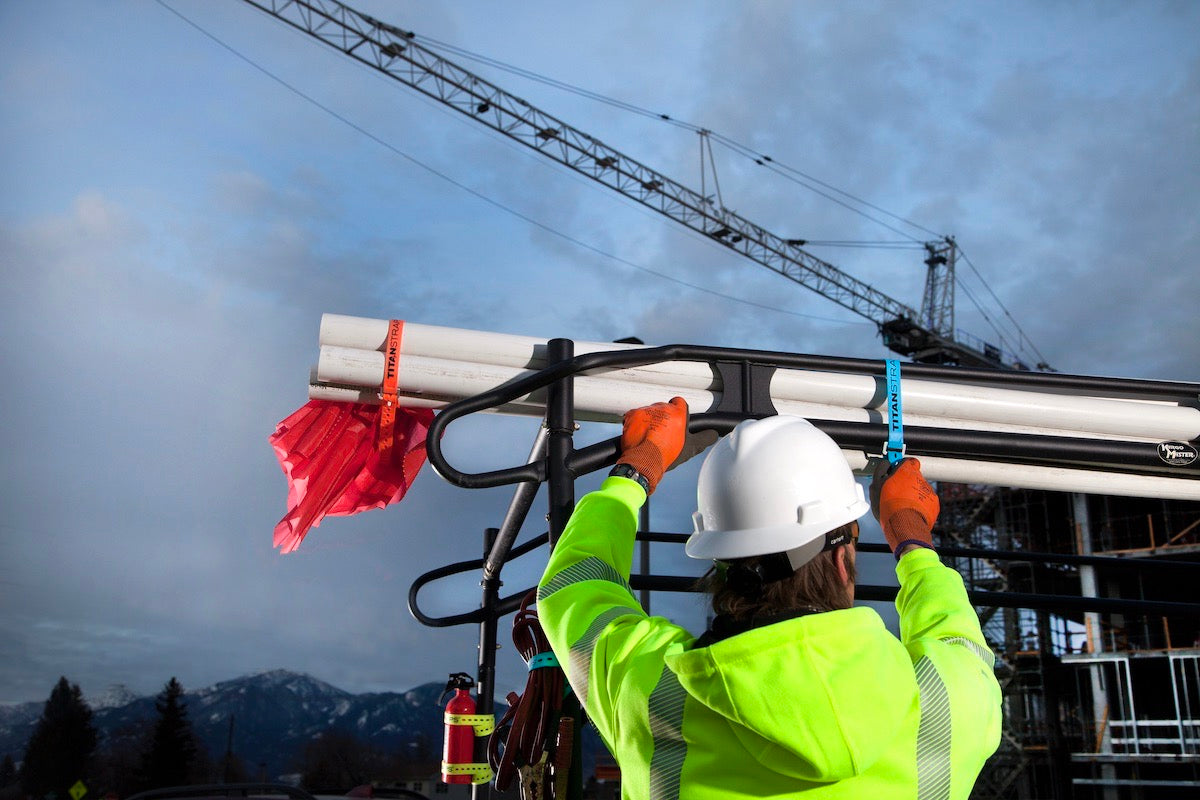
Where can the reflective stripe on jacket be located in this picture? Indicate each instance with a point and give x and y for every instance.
(826, 705)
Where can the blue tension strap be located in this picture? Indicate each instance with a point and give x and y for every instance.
(894, 448)
(543, 660)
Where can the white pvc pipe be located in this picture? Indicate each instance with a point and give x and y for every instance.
(437, 341)
(1051, 479)
(1025, 410)
(358, 394)
(606, 398)
(1091, 415)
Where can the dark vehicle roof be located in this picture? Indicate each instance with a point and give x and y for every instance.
(222, 791)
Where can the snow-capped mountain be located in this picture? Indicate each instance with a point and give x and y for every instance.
(273, 715)
(16, 723)
(114, 696)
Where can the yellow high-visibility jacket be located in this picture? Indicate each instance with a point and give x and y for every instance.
(827, 705)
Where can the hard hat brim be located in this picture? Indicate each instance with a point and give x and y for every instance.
(795, 537)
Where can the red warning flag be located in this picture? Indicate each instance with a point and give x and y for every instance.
(337, 465)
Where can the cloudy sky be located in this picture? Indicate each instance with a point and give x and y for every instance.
(188, 185)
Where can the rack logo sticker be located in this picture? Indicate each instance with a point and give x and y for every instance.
(1177, 454)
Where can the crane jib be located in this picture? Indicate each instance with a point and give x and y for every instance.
(394, 52)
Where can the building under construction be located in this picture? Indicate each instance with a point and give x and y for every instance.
(1101, 705)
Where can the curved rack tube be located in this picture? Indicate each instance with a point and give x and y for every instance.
(505, 605)
(946, 448)
(601, 400)
(950, 404)
(1050, 602)
(518, 509)
(951, 551)
(868, 592)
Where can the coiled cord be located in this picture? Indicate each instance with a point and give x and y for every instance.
(533, 718)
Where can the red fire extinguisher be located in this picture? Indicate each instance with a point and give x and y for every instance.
(462, 725)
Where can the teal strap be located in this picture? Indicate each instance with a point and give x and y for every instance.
(894, 448)
(543, 660)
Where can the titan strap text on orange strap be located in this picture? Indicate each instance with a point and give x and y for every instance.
(387, 395)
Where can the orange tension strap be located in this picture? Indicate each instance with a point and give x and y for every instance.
(384, 436)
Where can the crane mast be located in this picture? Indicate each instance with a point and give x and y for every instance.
(927, 337)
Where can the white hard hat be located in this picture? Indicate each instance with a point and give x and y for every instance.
(775, 485)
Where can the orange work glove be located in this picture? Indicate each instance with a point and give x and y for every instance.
(652, 438)
(905, 504)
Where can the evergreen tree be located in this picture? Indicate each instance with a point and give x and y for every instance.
(117, 763)
(8, 772)
(62, 743)
(171, 749)
(10, 788)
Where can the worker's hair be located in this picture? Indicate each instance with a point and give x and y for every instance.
(815, 585)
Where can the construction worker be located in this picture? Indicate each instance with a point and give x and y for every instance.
(792, 691)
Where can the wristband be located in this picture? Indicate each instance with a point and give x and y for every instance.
(543, 661)
(907, 542)
(626, 471)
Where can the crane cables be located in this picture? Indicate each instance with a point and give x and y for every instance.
(851, 202)
(483, 196)
(762, 159)
(1020, 330)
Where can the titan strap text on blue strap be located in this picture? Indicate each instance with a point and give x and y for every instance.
(894, 448)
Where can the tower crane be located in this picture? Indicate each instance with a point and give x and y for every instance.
(926, 336)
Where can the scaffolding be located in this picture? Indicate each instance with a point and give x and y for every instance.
(1138, 723)
(1096, 705)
